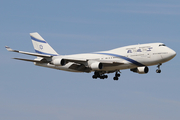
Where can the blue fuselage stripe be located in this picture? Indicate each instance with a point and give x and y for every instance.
(125, 58)
(44, 53)
(35, 39)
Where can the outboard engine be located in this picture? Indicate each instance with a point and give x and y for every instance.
(96, 66)
(59, 62)
(140, 70)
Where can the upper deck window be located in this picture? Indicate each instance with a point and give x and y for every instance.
(162, 45)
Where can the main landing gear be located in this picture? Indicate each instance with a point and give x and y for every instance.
(102, 76)
(99, 75)
(117, 75)
(158, 70)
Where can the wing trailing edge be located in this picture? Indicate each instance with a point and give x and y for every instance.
(41, 61)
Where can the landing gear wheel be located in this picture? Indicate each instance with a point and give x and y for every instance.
(105, 76)
(99, 75)
(115, 78)
(158, 71)
(94, 77)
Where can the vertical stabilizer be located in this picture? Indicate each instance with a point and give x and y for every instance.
(41, 46)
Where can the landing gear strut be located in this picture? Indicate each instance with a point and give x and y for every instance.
(117, 75)
(158, 70)
(99, 75)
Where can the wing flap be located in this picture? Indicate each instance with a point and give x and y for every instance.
(76, 60)
(105, 62)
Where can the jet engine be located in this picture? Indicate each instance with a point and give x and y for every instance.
(59, 62)
(141, 70)
(96, 66)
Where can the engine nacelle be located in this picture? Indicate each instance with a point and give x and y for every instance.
(141, 70)
(59, 62)
(96, 66)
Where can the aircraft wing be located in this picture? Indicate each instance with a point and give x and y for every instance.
(28, 53)
(107, 63)
(79, 64)
(82, 60)
(110, 62)
(76, 60)
(41, 61)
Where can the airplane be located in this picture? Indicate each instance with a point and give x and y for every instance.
(137, 58)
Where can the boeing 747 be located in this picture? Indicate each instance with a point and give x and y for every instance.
(137, 58)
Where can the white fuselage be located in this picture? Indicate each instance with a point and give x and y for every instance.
(137, 58)
(132, 56)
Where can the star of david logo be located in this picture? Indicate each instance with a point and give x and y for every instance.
(41, 47)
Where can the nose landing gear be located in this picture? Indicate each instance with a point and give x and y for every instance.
(158, 70)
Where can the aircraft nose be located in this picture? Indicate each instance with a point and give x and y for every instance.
(172, 53)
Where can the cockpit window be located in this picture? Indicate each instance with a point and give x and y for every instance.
(162, 45)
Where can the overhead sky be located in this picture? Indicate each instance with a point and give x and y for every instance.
(28, 92)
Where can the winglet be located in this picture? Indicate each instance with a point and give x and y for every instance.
(9, 49)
